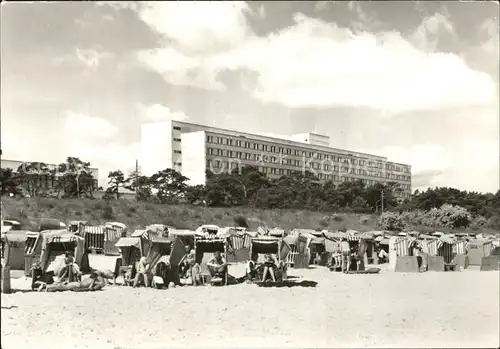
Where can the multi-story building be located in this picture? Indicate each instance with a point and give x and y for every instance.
(192, 149)
(48, 181)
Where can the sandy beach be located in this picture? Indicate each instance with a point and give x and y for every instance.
(454, 309)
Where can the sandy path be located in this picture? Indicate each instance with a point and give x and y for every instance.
(458, 309)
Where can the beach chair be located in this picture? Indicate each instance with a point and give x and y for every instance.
(205, 247)
(336, 262)
(262, 245)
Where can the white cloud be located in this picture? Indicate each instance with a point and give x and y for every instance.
(89, 127)
(317, 64)
(193, 30)
(158, 112)
(427, 34)
(471, 165)
(198, 26)
(91, 58)
(95, 140)
(328, 66)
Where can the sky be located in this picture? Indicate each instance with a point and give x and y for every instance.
(416, 82)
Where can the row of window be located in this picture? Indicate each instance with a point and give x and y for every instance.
(296, 152)
(220, 166)
(264, 159)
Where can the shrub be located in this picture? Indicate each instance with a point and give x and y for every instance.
(451, 216)
(364, 219)
(323, 223)
(391, 221)
(240, 221)
(337, 218)
(107, 213)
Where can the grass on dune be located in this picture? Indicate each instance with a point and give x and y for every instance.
(138, 214)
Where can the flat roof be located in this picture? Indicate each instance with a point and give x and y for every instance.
(274, 139)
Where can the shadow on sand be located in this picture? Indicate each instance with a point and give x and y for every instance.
(288, 283)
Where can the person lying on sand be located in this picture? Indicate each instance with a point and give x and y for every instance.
(92, 283)
(269, 268)
(217, 266)
(106, 275)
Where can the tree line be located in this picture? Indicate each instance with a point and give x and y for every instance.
(72, 178)
(249, 187)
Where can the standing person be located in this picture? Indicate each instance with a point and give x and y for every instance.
(142, 268)
(345, 249)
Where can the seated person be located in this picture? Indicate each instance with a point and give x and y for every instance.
(39, 278)
(382, 256)
(187, 262)
(196, 274)
(252, 268)
(141, 272)
(217, 266)
(269, 267)
(67, 270)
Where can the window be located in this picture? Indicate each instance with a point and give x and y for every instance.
(177, 152)
(177, 128)
(209, 163)
(177, 164)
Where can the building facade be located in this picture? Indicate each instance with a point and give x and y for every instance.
(47, 181)
(192, 149)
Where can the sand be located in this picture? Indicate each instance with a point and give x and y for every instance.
(454, 309)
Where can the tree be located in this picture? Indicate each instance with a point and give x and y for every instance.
(33, 178)
(74, 178)
(116, 181)
(170, 185)
(195, 194)
(140, 184)
(8, 182)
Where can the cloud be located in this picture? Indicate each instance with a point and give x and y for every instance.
(426, 35)
(318, 64)
(90, 58)
(198, 26)
(193, 30)
(328, 66)
(158, 112)
(84, 126)
(471, 165)
(95, 139)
